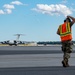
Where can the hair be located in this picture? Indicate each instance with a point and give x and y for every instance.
(67, 19)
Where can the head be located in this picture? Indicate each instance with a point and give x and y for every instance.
(67, 20)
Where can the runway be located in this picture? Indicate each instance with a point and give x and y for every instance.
(34, 60)
(38, 71)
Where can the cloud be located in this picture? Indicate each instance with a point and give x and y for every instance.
(2, 12)
(58, 9)
(17, 3)
(8, 6)
(8, 11)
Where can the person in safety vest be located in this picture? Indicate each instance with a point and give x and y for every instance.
(65, 33)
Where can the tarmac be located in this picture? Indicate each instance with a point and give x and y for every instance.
(34, 60)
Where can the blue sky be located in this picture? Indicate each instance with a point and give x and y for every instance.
(38, 20)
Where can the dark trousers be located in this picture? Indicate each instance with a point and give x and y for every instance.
(67, 49)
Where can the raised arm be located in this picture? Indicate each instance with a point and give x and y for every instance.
(72, 18)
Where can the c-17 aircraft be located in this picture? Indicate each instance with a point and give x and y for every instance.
(13, 42)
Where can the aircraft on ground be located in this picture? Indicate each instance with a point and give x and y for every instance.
(13, 42)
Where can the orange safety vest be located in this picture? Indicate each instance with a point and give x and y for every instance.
(65, 32)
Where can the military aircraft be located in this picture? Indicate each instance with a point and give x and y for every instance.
(13, 42)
